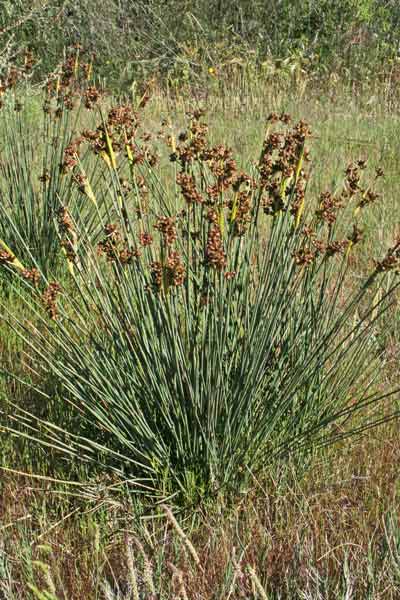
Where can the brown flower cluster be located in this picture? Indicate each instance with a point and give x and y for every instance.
(314, 247)
(353, 177)
(275, 118)
(194, 142)
(391, 262)
(175, 269)
(280, 167)
(215, 255)
(91, 96)
(70, 83)
(81, 181)
(328, 208)
(156, 272)
(172, 273)
(115, 248)
(14, 75)
(167, 227)
(71, 155)
(368, 197)
(241, 205)
(68, 234)
(336, 247)
(6, 257)
(145, 239)
(31, 275)
(49, 298)
(353, 185)
(188, 188)
(120, 134)
(305, 256)
(224, 168)
(10, 81)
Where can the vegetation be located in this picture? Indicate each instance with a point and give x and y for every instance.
(181, 40)
(199, 331)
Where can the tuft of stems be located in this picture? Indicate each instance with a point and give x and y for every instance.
(204, 329)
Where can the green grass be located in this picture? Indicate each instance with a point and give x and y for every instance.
(327, 530)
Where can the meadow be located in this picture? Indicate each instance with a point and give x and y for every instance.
(199, 338)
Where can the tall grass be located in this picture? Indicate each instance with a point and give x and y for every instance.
(207, 329)
(36, 129)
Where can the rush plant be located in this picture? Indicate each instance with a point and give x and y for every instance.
(212, 329)
(32, 185)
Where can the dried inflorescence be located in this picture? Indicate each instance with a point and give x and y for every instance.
(353, 187)
(6, 257)
(64, 220)
(49, 298)
(194, 142)
(328, 208)
(81, 180)
(282, 178)
(353, 177)
(241, 204)
(115, 247)
(31, 275)
(304, 257)
(145, 239)
(223, 166)
(71, 155)
(110, 244)
(230, 275)
(69, 84)
(91, 96)
(14, 75)
(117, 133)
(391, 262)
(170, 274)
(214, 254)
(221, 202)
(67, 232)
(175, 269)
(189, 191)
(314, 247)
(156, 272)
(167, 227)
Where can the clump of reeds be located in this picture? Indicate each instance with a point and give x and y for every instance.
(205, 329)
(33, 186)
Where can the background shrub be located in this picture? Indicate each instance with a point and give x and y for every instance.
(136, 39)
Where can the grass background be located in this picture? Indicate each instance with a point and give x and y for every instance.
(329, 531)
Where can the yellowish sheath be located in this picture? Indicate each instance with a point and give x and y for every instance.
(301, 207)
(221, 221)
(110, 151)
(348, 249)
(76, 65)
(69, 262)
(235, 207)
(15, 262)
(106, 158)
(88, 191)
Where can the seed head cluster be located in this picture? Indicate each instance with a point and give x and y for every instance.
(220, 204)
(215, 255)
(49, 298)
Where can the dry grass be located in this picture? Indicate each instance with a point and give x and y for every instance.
(299, 536)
